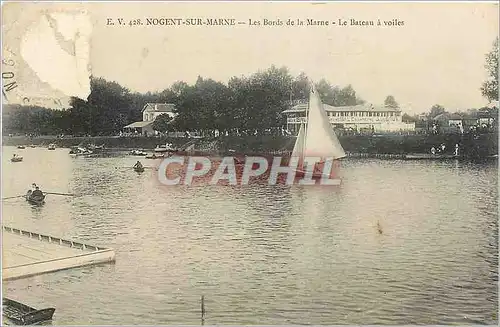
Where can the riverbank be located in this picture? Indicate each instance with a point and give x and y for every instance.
(483, 145)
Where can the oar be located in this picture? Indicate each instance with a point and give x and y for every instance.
(55, 193)
(13, 197)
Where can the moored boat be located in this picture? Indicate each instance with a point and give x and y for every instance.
(95, 148)
(52, 146)
(21, 147)
(155, 156)
(137, 153)
(21, 314)
(78, 150)
(33, 146)
(164, 148)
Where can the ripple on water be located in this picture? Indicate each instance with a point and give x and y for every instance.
(268, 254)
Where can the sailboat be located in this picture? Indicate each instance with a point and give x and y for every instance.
(316, 138)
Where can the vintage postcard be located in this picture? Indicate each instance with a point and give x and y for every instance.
(250, 163)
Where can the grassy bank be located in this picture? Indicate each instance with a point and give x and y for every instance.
(482, 145)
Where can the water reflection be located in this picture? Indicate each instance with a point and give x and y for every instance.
(266, 254)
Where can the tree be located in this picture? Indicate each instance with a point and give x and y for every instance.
(436, 110)
(247, 104)
(390, 102)
(409, 119)
(162, 123)
(490, 87)
(347, 96)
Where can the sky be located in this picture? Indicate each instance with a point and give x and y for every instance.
(436, 57)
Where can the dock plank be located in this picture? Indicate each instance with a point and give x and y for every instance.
(20, 250)
(26, 254)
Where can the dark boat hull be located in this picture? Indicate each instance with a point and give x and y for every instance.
(139, 170)
(35, 200)
(21, 314)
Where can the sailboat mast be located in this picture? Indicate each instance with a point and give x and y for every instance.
(306, 123)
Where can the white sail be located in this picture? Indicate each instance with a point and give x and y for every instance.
(320, 140)
(298, 149)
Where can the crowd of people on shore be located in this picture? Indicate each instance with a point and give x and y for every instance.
(441, 149)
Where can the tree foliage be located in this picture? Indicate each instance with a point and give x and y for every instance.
(390, 102)
(162, 123)
(490, 87)
(436, 109)
(246, 105)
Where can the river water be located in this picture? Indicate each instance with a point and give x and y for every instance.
(264, 254)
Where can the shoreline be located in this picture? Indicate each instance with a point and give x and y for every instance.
(383, 145)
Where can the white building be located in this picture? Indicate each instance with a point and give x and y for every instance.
(153, 110)
(359, 117)
(149, 113)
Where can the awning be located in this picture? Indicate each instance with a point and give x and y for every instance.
(139, 124)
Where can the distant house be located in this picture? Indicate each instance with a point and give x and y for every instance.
(149, 113)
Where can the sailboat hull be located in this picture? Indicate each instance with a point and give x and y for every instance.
(319, 173)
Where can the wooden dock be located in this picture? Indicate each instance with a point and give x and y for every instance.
(27, 253)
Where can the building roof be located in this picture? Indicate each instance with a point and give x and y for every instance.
(159, 107)
(139, 124)
(360, 107)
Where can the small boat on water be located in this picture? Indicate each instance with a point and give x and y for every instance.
(21, 147)
(21, 314)
(16, 159)
(35, 199)
(32, 146)
(52, 146)
(164, 148)
(139, 169)
(95, 148)
(137, 153)
(78, 150)
(155, 156)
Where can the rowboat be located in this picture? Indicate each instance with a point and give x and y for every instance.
(35, 199)
(52, 146)
(137, 153)
(164, 148)
(21, 314)
(16, 159)
(155, 156)
(139, 169)
(21, 147)
(33, 146)
(95, 148)
(77, 150)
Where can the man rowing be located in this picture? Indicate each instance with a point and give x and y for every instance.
(37, 193)
(138, 165)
